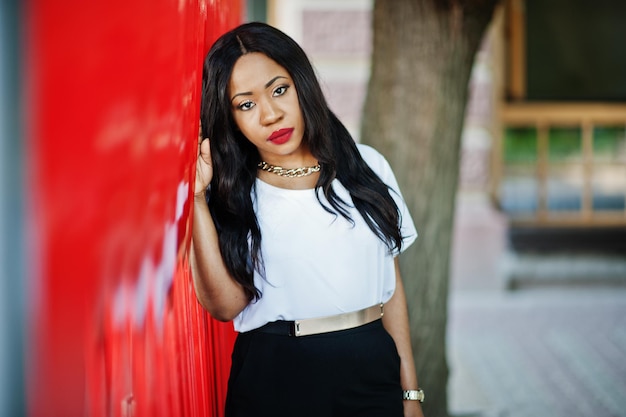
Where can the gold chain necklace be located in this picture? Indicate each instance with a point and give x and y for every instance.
(290, 172)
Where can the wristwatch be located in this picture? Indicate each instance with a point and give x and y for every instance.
(413, 395)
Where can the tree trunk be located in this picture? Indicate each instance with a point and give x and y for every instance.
(414, 111)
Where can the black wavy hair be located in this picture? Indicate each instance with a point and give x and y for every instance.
(235, 158)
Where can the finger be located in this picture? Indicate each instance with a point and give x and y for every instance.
(200, 141)
(205, 151)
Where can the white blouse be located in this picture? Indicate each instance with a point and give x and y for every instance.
(317, 263)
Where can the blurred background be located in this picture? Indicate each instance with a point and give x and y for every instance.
(537, 307)
(97, 124)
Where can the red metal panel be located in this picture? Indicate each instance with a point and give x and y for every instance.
(111, 120)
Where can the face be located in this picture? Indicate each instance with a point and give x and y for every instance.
(265, 107)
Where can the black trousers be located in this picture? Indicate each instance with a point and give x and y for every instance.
(353, 372)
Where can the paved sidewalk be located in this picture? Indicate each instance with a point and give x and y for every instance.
(540, 351)
(548, 352)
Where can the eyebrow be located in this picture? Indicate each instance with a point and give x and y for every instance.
(267, 84)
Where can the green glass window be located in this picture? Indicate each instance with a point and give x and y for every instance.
(609, 144)
(520, 145)
(565, 144)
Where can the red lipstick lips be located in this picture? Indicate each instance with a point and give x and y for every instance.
(280, 136)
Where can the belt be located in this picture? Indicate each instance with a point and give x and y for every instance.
(326, 324)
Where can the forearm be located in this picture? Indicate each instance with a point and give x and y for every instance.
(396, 322)
(216, 290)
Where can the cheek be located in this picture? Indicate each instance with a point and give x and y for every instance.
(240, 122)
(246, 129)
(237, 125)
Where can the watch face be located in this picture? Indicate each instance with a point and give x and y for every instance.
(420, 395)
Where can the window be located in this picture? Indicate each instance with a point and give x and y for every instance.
(562, 155)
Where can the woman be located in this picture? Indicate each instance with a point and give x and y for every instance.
(296, 230)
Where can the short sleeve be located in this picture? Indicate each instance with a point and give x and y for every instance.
(381, 167)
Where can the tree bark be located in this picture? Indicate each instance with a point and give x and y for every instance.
(414, 111)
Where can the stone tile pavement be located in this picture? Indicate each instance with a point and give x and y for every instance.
(540, 351)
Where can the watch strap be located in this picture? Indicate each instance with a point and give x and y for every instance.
(413, 395)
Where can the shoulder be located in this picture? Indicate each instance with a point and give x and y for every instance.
(368, 153)
(375, 160)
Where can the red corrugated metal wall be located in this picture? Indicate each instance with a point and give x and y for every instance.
(111, 121)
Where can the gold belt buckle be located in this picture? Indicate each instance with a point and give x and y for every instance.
(337, 322)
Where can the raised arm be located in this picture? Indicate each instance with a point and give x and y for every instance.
(215, 288)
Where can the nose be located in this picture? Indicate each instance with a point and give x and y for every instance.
(270, 113)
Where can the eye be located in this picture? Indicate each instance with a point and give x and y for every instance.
(280, 90)
(246, 105)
